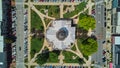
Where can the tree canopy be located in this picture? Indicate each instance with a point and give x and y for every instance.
(42, 58)
(48, 57)
(86, 21)
(88, 46)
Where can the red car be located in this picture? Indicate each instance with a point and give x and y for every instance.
(72, 0)
(104, 52)
(70, 66)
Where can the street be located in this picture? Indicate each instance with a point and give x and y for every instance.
(100, 32)
(20, 34)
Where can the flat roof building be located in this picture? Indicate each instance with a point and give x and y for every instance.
(61, 34)
(3, 61)
(118, 23)
(116, 17)
(116, 33)
(116, 51)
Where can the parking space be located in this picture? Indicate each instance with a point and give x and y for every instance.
(58, 0)
(50, 66)
(13, 12)
(25, 33)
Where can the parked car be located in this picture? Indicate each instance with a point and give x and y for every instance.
(104, 52)
(72, 0)
(104, 59)
(50, 66)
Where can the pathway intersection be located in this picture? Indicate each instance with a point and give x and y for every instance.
(31, 61)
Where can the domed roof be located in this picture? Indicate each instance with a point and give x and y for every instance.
(62, 33)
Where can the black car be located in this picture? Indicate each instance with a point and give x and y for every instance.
(104, 59)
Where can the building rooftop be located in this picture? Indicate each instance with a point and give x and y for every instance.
(0, 10)
(1, 43)
(116, 40)
(116, 51)
(116, 3)
(61, 34)
(118, 23)
(2, 60)
(1, 37)
(118, 18)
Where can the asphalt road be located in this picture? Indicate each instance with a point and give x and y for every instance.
(20, 34)
(100, 32)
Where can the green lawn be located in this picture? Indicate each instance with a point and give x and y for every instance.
(53, 11)
(36, 45)
(36, 21)
(69, 59)
(78, 8)
(53, 58)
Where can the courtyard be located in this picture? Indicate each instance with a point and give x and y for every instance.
(40, 18)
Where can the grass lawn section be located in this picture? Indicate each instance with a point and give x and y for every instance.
(36, 45)
(54, 11)
(68, 57)
(53, 58)
(36, 21)
(78, 8)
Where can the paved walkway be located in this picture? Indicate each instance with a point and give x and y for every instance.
(58, 64)
(42, 16)
(29, 31)
(61, 58)
(108, 31)
(90, 4)
(61, 10)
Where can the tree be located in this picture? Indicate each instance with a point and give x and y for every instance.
(81, 61)
(42, 58)
(10, 39)
(88, 46)
(86, 21)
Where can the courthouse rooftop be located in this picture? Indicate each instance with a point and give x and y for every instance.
(61, 34)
